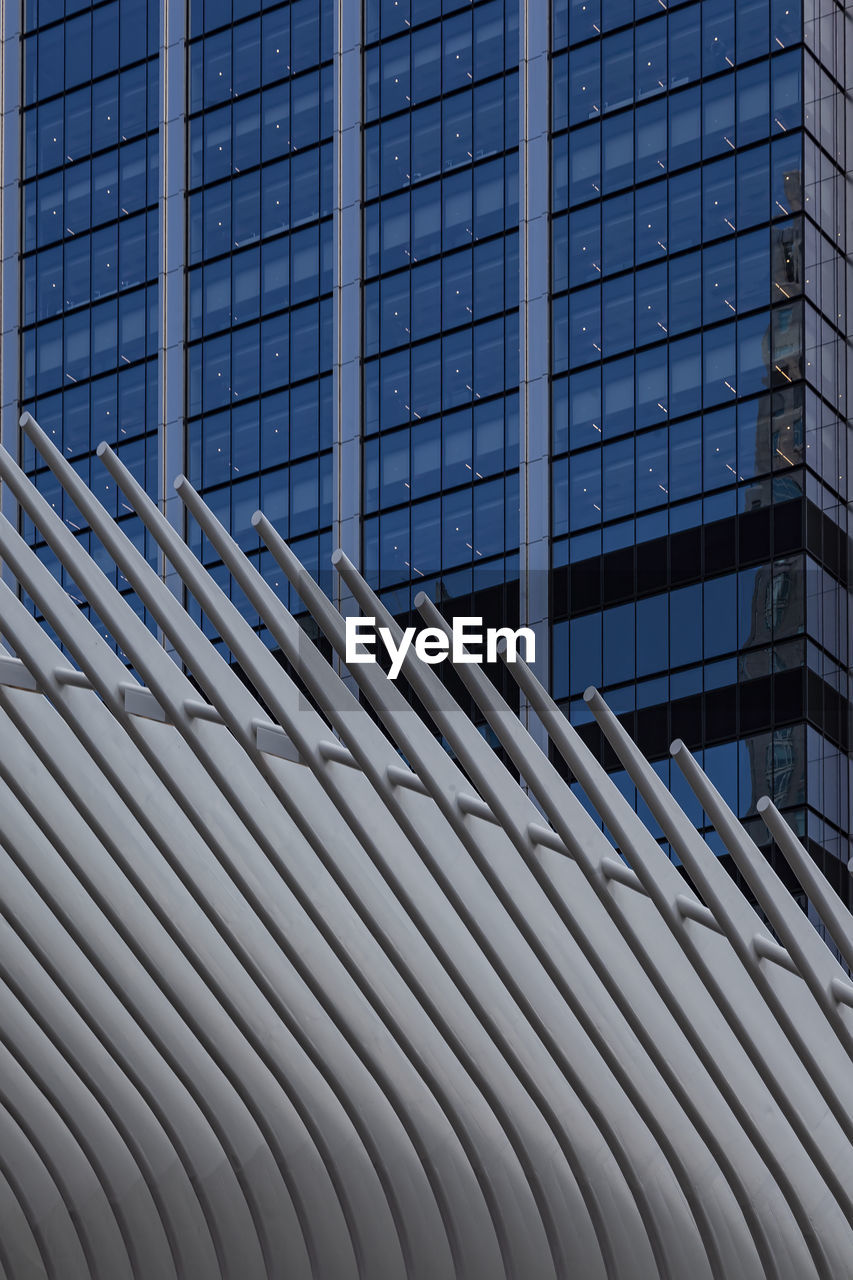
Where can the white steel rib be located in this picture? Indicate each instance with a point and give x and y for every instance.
(288, 989)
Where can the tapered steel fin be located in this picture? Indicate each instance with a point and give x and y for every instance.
(286, 986)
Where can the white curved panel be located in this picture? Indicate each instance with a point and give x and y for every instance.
(276, 1002)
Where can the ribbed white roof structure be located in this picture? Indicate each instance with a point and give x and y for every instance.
(285, 995)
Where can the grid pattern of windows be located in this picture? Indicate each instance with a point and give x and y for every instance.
(440, 487)
(826, 73)
(90, 223)
(683, 630)
(698, 367)
(666, 269)
(259, 354)
(699, 341)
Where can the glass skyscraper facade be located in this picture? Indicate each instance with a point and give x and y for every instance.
(440, 459)
(699, 405)
(88, 233)
(540, 308)
(260, 250)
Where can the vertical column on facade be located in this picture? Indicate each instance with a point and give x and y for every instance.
(347, 284)
(827, 168)
(845, 76)
(11, 96)
(172, 353)
(534, 331)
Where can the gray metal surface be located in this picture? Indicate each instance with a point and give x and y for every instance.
(288, 989)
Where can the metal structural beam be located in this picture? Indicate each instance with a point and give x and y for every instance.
(288, 988)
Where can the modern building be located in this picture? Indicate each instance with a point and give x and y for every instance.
(542, 310)
(287, 991)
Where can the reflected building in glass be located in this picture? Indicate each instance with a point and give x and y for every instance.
(700, 357)
(540, 308)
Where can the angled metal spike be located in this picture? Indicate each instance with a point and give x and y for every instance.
(813, 960)
(280, 981)
(820, 893)
(479, 761)
(779, 1072)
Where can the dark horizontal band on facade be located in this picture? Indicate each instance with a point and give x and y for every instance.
(692, 555)
(762, 705)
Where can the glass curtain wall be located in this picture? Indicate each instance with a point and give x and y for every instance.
(90, 246)
(260, 253)
(699, 331)
(440, 454)
(827, 118)
(684, 429)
